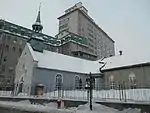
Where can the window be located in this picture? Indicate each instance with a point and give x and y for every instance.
(132, 80)
(20, 88)
(14, 49)
(20, 51)
(77, 82)
(7, 47)
(111, 82)
(58, 81)
(63, 26)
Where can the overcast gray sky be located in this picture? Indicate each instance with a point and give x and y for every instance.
(125, 21)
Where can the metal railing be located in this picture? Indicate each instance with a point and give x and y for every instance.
(104, 94)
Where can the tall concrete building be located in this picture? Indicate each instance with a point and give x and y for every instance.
(76, 20)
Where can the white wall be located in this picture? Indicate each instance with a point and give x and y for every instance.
(24, 69)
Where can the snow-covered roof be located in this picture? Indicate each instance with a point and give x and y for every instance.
(53, 60)
(120, 61)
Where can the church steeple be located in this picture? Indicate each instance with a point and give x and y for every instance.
(37, 26)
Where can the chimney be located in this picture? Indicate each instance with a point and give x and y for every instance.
(120, 52)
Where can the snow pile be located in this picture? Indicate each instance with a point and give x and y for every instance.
(130, 110)
(51, 104)
(5, 93)
(24, 102)
(97, 108)
(32, 108)
(22, 94)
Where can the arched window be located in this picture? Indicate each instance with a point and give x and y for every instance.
(132, 80)
(77, 82)
(58, 81)
(112, 82)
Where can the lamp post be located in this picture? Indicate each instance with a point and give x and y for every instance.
(89, 87)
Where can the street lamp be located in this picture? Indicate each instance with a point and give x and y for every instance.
(89, 87)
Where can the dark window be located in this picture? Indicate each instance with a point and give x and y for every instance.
(77, 82)
(7, 47)
(58, 81)
(20, 51)
(80, 84)
(14, 49)
(20, 88)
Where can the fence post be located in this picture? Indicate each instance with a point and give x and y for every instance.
(120, 92)
(124, 86)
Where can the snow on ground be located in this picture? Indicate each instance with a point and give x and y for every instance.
(97, 108)
(130, 111)
(26, 106)
(50, 107)
(129, 94)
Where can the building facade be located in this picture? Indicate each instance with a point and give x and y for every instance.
(129, 71)
(77, 21)
(73, 42)
(52, 70)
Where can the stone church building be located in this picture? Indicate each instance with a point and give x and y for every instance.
(37, 66)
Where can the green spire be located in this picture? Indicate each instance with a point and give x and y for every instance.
(37, 27)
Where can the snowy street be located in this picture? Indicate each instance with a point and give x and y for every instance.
(51, 108)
